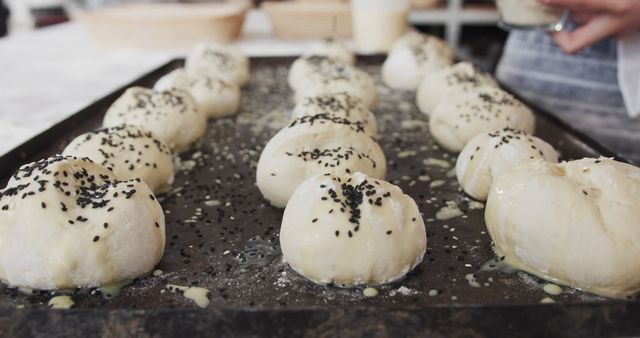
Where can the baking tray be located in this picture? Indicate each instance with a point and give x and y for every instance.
(222, 235)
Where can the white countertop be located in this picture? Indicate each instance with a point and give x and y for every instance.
(52, 73)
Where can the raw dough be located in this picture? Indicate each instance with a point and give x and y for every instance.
(574, 223)
(67, 222)
(130, 152)
(352, 230)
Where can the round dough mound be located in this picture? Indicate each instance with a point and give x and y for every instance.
(129, 152)
(335, 49)
(67, 222)
(219, 60)
(341, 105)
(215, 97)
(309, 64)
(463, 77)
(313, 145)
(463, 116)
(412, 57)
(489, 155)
(352, 230)
(572, 223)
(172, 116)
(334, 78)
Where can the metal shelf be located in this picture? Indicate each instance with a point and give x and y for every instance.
(454, 16)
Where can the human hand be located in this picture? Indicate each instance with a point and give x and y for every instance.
(597, 19)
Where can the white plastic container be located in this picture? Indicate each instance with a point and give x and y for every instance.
(378, 23)
(529, 14)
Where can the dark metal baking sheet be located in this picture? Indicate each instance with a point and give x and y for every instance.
(217, 246)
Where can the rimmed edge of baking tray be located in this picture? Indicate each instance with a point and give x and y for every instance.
(615, 317)
(540, 320)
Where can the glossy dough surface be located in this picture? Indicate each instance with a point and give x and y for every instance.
(352, 230)
(574, 223)
(489, 155)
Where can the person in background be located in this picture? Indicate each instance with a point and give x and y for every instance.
(4, 19)
(575, 73)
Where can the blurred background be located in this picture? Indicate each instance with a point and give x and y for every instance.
(468, 25)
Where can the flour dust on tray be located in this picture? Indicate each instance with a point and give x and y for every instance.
(352, 230)
(69, 223)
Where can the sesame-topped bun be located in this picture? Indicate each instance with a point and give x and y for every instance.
(309, 64)
(129, 152)
(352, 230)
(336, 78)
(172, 116)
(461, 117)
(339, 104)
(489, 155)
(412, 57)
(67, 222)
(313, 145)
(333, 48)
(574, 223)
(219, 60)
(215, 96)
(463, 77)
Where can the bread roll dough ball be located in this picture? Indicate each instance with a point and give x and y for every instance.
(489, 155)
(214, 96)
(313, 145)
(352, 230)
(338, 104)
(463, 77)
(129, 152)
(412, 57)
(572, 223)
(461, 117)
(337, 78)
(309, 64)
(172, 116)
(224, 61)
(67, 222)
(335, 49)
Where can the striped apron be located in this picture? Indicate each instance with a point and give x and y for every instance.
(581, 89)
